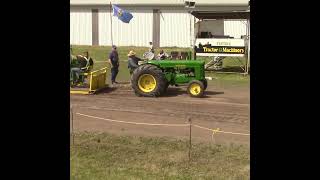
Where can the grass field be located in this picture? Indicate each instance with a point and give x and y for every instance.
(105, 156)
(100, 55)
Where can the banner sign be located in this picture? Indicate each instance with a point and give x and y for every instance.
(220, 47)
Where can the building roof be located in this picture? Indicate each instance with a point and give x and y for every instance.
(221, 15)
(162, 2)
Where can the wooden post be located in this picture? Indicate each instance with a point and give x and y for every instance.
(72, 132)
(248, 56)
(247, 40)
(189, 120)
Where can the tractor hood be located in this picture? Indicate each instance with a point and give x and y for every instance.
(176, 63)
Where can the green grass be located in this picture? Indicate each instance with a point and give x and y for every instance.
(104, 156)
(100, 55)
(228, 80)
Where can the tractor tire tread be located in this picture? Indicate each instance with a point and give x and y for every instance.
(158, 75)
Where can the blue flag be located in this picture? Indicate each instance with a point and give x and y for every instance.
(123, 15)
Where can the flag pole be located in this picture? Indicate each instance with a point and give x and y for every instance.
(111, 23)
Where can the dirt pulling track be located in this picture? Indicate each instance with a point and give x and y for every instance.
(226, 108)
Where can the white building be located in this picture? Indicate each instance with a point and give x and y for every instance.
(166, 23)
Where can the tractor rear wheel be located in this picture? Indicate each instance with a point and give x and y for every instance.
(195, 88)
(148, 80)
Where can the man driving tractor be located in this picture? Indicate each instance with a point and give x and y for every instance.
(133, 61)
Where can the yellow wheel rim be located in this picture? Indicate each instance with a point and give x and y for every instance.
(195, 89)
(147, 83)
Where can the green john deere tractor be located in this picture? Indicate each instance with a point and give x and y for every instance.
(152, 78)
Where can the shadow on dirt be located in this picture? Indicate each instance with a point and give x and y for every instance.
(174, 91)
(171, 92)
(107, 90)
(212, 93)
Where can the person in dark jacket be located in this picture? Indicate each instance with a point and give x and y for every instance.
(133, 61)
(114, 62)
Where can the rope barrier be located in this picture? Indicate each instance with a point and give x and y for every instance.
(214, 131)
(135, 123)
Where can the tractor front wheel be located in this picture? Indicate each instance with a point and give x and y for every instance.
(148, 80)
(196, 88)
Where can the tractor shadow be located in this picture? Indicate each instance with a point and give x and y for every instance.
(208, 94)
(176, 91)
(107, 90)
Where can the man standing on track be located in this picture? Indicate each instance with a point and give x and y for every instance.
(114, 62)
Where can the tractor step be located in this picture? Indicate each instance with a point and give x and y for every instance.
(80, 90)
